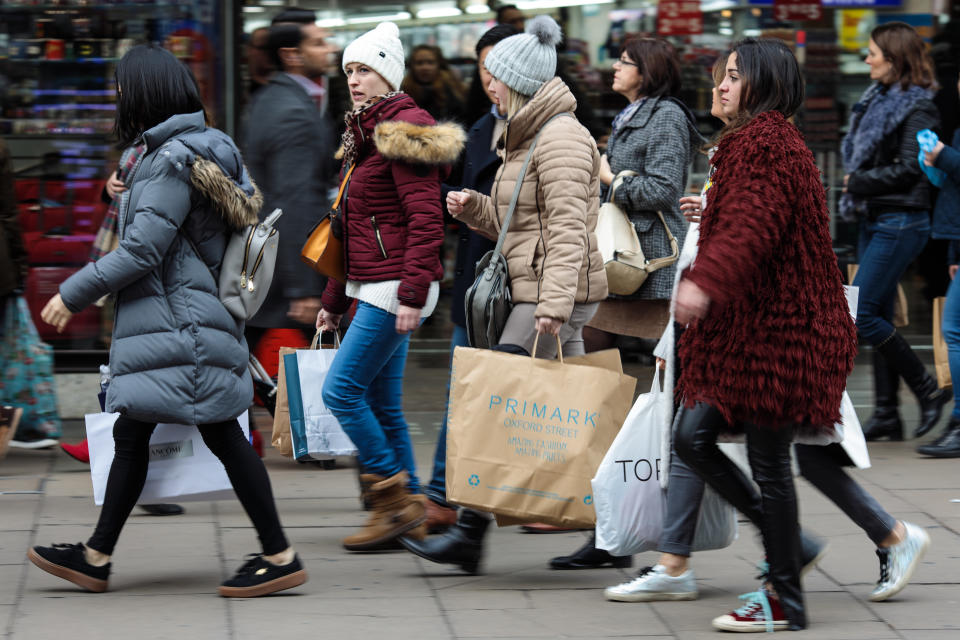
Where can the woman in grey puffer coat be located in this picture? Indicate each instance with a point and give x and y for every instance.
(177, 355)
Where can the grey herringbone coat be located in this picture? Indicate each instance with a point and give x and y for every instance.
(658, 142)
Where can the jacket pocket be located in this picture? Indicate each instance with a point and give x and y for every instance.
(378, 236)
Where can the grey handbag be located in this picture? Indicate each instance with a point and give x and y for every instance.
(247, 268)
(487, 301)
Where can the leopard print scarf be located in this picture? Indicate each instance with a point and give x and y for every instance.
(349, 141)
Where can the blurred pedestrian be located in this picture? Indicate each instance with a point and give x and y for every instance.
(394, 159)
(556, 273)
(511, 15)
(885, 189)
(769, 341)
(478, 168)
(433, 85)
(289, 146)
(259, 64)
(656, 136)
(177, 354)
(13, 253)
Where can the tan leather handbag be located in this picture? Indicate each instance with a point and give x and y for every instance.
(623, 260)
(323, 250)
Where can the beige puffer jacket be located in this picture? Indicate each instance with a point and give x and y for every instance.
(551, 248)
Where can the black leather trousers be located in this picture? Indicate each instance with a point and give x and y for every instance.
(773, 510)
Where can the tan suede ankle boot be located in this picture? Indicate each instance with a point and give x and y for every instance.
(394, 512)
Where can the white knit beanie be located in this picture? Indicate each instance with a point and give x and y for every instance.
(526, 61)
(381, 50)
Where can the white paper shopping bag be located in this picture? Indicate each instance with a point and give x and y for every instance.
(181, 469)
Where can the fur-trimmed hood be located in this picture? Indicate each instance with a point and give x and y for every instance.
(436, 144)
(230, 198)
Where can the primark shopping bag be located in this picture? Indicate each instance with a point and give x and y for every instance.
(630, 501)
(280, 436)
(181, 469)
(525, 435)
(314, 430)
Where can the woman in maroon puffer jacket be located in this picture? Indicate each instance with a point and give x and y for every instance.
(394, 157)
(770, 340)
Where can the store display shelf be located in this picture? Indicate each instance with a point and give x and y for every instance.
(8, 7)
(61, 62)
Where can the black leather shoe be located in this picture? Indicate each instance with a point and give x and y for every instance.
(884, 423)
(896, 350)
(462, 544)
(162, 509)
(947, 445)
(589, 557)
(931, 407)
(68, 561)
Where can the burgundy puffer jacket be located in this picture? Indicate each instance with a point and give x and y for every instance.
(393, 221)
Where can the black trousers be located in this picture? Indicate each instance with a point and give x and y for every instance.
(773, 510)
(128, 473)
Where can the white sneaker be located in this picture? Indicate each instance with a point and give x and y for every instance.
(39, 442)
(653, 583)
(897, 563)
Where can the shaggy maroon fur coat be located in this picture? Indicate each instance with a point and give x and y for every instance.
(778, 341)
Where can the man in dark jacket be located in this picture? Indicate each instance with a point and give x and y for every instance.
(289, 149)
(13, 255)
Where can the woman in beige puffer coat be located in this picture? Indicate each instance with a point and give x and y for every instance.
(556, 272)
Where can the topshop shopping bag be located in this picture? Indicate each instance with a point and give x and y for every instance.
(313, 429)
(181, 469)
(940, 352)
(627, 494)
(525, 435)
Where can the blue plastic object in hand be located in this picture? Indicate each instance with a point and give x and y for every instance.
(928, 140)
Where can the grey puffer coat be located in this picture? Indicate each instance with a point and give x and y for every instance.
(177, 354)
(658, 142)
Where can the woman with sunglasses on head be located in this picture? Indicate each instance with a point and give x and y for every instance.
(769, 340)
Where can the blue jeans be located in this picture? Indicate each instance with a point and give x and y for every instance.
(364, 390)
(436, 490)
(951, 335)
(887, 246)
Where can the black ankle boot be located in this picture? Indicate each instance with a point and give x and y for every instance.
(930, 396)
(885, 421)
(589, 557)
(462, 544)
(947, 445)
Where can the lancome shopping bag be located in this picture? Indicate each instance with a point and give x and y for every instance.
(627, 494)
(314, 430)
(181, 469)
(525, 435)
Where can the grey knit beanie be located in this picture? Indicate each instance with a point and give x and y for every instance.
(526, 61)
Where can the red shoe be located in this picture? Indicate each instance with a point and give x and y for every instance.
(79, 452)
(257, 441)
(760, 613)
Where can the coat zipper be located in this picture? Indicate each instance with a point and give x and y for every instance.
(246, 256)
(256, 264)
(376, 230)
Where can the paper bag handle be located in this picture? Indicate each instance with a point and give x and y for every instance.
(536, 339)
(315, 343)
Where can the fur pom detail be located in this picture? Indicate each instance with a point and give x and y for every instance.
(546, 30)
(421, 144)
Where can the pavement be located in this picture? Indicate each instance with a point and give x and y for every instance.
(166, 569)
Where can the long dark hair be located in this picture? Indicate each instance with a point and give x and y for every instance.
(478, 104)
(771, 79)
(904, 49)
(152, 86)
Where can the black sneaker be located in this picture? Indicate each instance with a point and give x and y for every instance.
(259, 577)
(67, 561)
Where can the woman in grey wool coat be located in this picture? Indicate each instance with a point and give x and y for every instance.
(656, 137)
(177, 354)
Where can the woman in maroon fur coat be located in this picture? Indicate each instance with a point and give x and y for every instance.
(770, 341)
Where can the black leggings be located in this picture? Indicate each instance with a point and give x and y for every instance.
(773, 510)
(128, 473)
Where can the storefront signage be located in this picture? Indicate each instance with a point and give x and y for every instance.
(679, 17)
(791, 10)
(840, 4)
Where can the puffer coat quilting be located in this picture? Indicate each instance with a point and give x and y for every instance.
(177, 355)
(551, 248)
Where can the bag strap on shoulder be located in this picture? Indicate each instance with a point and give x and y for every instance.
(346, 179)
(516, 190)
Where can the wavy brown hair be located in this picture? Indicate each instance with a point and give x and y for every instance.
(905, 50)
(657, 62)
(444, 82)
